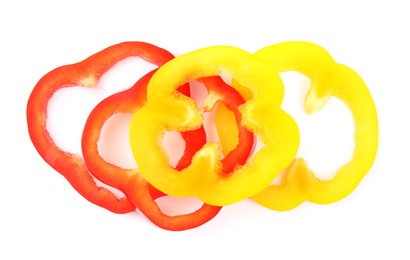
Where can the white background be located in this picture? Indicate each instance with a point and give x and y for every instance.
(42, 216)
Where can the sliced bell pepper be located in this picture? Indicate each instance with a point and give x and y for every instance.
(166, 109)
(85, 73)
(130, 181)
(328, 79)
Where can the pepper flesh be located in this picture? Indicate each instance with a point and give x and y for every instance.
(85, 73)
(329, 79)
(168, 110)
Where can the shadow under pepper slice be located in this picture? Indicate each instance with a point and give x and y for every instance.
(85, 73)
(130, 181)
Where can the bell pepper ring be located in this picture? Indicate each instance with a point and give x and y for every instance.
(130, 181)
(328, 79)
(166, 109)
(85, 73)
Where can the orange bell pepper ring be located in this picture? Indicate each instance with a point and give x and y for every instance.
(166, 109)
(328, 79)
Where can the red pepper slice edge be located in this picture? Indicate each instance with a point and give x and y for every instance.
(85, 73)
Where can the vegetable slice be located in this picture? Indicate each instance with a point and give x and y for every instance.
(85, 73)
(130, 181)
(329, 79)
(168, 110)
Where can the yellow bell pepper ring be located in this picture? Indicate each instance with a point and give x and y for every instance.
(167, 110)
(328, 79)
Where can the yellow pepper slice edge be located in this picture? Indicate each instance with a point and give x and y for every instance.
(328, 79)
(167, 110)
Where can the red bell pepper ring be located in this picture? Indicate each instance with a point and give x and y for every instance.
(85, 73)
(130, 181)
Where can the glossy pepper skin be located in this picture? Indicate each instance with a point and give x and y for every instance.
(85, 73)
(168, 110)
(130, 181)
(328, 79)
